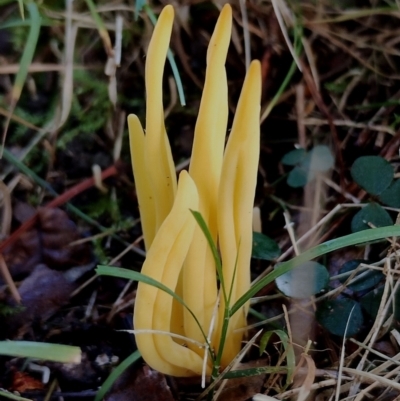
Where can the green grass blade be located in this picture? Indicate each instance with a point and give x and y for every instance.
(21, 8)
(235, 374)
(290, 356)
(218, 264)
(12, 396)
(25, 62)
(136, 276)
(171, 60)
(115, 374)
(319, 250)
(45, 351)
(29, 50)
(139, 4)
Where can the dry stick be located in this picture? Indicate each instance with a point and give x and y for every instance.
(71, 32)
(315, 386)
(60, 200)
(348, 123)
(366, 390)
(324, 109)
(180, 52)
(44, 67)
(8, 279)
(370, 377)
(392, 147)
(7, 210)
(118, 301)
(300, 112)
(372, 335)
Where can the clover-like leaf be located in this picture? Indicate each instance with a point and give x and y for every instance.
(304, 281)
(299, 177)
(371, 215)
(264, 247)
(335, 314)
(372, 173)
(294, 157)
(307, 164)
(319, 159)
(391, 195)
(372, 300)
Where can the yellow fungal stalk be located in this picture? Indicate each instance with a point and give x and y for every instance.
(220, 185)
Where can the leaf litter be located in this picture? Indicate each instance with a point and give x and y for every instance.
(345, 99)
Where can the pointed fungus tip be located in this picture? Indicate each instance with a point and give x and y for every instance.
(132, 118)
(167, 12)
(255, 67)
(226, 8)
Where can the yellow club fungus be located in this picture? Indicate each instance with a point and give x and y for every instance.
(220, 185)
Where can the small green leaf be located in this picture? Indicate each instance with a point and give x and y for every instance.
(294, 157)
(373, 173)
(299, 177)
(372, 213)
(391, 195)
(364, 279)
(372, 300)
(333, 315)
(304, 281)
(319, 159)
(264, 247)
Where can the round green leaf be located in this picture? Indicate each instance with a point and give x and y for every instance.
(319, 159)
(391, 195)
(372, 300)
(294, 157)
(372, 213)
(304, 281)
(299, 177)
(373, 173)
(334, 314)
(364, 279)
(264, 247)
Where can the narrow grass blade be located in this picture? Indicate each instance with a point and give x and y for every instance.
(218, 264)
(290, 356)
(26, 60)
(319, 250)
(115, 374)
(139, 4)
(45, 351)
(234, 374)
(105, 37)
(21, 8)
(136, 276)
(12, 396)
(171, 59)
